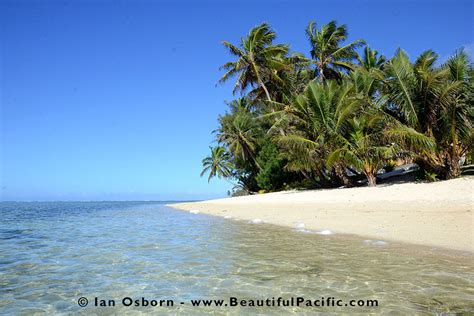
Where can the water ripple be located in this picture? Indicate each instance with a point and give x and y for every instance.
(53, 253)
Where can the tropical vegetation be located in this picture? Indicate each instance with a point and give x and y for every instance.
(341, 116)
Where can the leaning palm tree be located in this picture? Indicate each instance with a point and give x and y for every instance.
(258, 59)
(328, 52)
(217, 164)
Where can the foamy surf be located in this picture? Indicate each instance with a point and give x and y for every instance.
(325, 232)
(305, 231)
(299, 226)
(375, 242)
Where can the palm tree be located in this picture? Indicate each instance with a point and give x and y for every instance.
(217, 164)
(241, 104)
(414, 90)
(371, 59)
(240, 133)
(362, 148)
(317, 117)
(326, 51)
(291, 80)
(258, 59)
(371, 139)
(367, 138)
(455, 128)
(338, 111)
(436, 101)
(342, 125)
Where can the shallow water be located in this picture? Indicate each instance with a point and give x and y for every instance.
(51, 254)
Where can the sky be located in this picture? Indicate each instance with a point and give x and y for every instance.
(116, 100)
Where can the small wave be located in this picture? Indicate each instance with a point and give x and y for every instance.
(375, 242)
(305, 231)
(299, 226)
(325, 232)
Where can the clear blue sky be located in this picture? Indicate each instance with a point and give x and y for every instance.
(115, 100)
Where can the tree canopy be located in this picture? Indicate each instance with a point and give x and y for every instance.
(341, 115)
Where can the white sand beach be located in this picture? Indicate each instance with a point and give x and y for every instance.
(436, 214)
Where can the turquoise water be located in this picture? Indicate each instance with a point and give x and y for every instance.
(51, 254)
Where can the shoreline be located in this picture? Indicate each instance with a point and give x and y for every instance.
(438, 214)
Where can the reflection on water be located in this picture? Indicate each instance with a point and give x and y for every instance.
(53, 253)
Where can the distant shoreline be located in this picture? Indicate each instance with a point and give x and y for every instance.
(436, 214)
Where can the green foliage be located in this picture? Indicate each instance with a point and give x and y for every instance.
(435, 101)
(390, 165)
(237, 192)
(271, 175)
(217, 164)
(258, 59)
(336, 117)
(328, 50)
(428, 176)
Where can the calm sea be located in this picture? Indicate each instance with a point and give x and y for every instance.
(52, 254)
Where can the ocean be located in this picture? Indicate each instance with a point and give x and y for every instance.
(146, 258)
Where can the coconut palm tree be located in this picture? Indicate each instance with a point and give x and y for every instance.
(436, 101)
(343, 124)
(371, 59)
(416, 90)
(373, 138)
(291, 80)
(368, 137)
(328, 51)
(217, 164)
(317, 117)
(240, 132)
(362, 148)
(338, 111)
(241, 104)
(455, 133)
(258, 59)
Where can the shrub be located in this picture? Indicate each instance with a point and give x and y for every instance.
(271, 175)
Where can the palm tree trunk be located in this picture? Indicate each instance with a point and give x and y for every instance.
(265, 89)
(454, 170)
(260, 82)
(370, 174)
(321, 73)
(371, 179)
(257, 164)
(453, 165)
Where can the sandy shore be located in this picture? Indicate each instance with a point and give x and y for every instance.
(433, 214)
